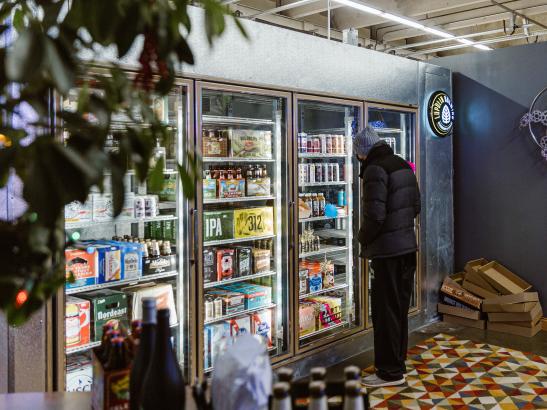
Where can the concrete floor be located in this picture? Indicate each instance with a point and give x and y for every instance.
(536, 344)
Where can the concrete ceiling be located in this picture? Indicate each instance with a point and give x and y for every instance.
(494, 23)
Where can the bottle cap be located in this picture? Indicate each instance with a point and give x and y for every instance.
(285, 374)
(149, 310)
(281, 390)
(352, 373)
(318, 373)
(317, 389)
(353, 388)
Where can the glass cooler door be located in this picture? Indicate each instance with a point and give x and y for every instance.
(243, 219)
(141, 253)
(327, 273)
(396, 126)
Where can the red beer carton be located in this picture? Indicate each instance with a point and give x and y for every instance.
(82, 264)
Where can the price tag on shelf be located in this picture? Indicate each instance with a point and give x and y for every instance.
(253, 222)
(218, 225)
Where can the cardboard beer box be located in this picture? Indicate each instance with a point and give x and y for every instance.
(225, 263)
(79, 373)
(163, 293)
(259, 186)
(455, 291)
(255, 296)
(307, 319)
(103, 209)
(330, 310)
(238, 326)
(110, 389)
(231, 188)
(160, 264)
(209, 265)
(503, 280)
(218, 225)
(462, 321)
(303, 281)
(82, 265)
(261, 260)
(252, 222)
(77, 321)
(110, 263)
(250, 143)
(315, 281)
(107, 306)
(78, 212)
(262, 325)
(128, 208)
(232, 302)
(209, 187)
(532, 316)
(244, 261)
(131, 258)
(458, 311)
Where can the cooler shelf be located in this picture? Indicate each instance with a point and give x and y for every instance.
(214, 119)
(325, 329)
(309, 184)
(243, 312)
(118, 221)
(240, 199)
(319, 292)
(237, 240)
(240, 279)
(321, 218)
(325, 249)
(231, 159)
(128, 282)
(321, 155)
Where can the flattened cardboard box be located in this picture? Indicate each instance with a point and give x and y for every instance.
(452, 289)
(478, 324)
(510, 299)
(515, 330)
(457, 311)
(532, 315)
(505, 281)
(477, 290)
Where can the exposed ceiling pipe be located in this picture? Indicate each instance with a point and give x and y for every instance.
(442, 40)
(503, 6)
(281, 8)
(482, 42)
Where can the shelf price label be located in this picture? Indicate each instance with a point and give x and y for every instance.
(218, 225)
(253, 222)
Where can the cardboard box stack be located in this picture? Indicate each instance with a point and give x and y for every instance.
(504, 299)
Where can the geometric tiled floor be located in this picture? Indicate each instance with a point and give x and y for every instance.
(446, 373)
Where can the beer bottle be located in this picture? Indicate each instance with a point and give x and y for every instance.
(281, 398)
(353, 400)
(285, 374)
(352, 373)
(105, 349)
(104, 339)
(163, 387)
(133, 339)
(318, 398)
(118, 358)
(318, 373)
(145, 348)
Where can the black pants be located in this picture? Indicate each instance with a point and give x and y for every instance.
(391, 290)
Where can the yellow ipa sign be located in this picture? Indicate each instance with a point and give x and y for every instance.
(253, 222)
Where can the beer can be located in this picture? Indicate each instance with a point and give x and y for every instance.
(218, 307)
(209, 309)
(316, 145)
(166, 248)
(329, 144)
(139, 207)
(309, 144)
(304, 142)
(323, 143)
(150, 206)
(331, 172)
(341, 142)
(336, 172)
(325, 172)
(301, 174)
(311, 171)
(318, 173)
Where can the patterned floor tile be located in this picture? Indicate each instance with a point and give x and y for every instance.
(446, 373)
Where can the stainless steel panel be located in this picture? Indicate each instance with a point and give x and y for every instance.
(436, 180)
(3, 354)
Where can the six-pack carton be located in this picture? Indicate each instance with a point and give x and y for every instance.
(82, 265)
(77, 321)
(107, 306)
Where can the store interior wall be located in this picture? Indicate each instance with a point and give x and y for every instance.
(500, 194)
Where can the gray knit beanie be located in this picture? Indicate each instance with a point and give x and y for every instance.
(364, 140)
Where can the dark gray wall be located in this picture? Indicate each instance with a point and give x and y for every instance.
(500, 189)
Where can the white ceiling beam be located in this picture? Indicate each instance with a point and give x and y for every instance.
(464, 19)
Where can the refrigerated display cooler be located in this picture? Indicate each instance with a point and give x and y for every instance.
(242, 219)
(397, 127)
(328, 289)
(116, 262)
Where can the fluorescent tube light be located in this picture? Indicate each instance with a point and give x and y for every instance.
(404, 21)
(465, 41)
(439, 33)
(359, 6)
(482, 47)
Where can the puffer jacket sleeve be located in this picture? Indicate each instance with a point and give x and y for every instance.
(375, 194)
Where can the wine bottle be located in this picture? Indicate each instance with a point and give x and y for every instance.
(281, 398)
(353, 400)
(144, 351)
(318, 397)
(163, 387)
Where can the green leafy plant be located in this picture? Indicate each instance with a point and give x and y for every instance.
(42, 44)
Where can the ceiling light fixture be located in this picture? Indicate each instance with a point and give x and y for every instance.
(408, 22)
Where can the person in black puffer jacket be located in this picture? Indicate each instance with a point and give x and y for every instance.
(391, 202)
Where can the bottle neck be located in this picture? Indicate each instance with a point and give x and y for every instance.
(163, 334)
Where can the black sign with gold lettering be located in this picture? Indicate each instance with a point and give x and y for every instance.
(440, 114)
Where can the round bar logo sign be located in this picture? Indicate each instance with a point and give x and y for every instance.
(440, 114)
